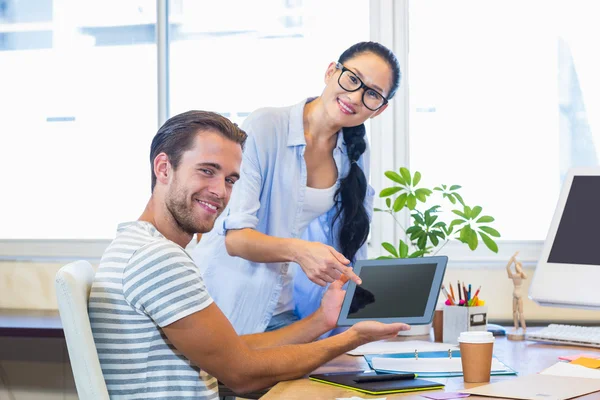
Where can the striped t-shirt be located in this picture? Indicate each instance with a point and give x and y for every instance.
(145, 282)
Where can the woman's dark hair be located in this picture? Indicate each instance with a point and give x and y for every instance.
(177, 135)
(350, 196)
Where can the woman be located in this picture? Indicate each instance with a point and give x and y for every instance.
(300, 213)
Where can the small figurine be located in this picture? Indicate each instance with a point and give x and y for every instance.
(517, 277)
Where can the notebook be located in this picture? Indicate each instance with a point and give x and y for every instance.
(432, 364)
(347, 380)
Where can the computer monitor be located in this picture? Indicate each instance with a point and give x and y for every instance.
(568, 271)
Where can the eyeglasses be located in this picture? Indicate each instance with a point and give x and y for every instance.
(348, 81)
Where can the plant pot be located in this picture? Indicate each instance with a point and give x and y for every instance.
(417, 330)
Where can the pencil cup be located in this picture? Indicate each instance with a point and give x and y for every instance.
(476, 349)
(459, 319)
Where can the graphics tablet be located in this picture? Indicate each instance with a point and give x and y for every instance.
(394, 290)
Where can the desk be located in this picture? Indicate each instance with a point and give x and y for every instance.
(30, 323)
(525, 357)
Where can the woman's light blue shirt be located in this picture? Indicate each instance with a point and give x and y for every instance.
(269, 197)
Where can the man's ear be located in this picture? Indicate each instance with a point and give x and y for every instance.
(162, 168)
(379, 111)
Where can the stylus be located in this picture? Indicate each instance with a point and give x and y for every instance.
(384, 377)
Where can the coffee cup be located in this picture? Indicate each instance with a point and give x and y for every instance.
(476, 349)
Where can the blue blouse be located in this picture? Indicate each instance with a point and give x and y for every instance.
(269, 197)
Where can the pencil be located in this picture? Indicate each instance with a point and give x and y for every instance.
(452, 292)
(447, 295)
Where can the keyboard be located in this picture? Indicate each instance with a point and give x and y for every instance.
(586, 336)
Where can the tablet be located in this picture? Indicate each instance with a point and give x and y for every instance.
(394, 290)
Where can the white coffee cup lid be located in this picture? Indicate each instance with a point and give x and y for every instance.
(476, 337)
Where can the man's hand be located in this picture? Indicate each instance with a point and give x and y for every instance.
(331, 303)
(371, 331)
(323, 264)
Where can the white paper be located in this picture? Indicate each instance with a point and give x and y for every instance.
(572, 370)
(426, 364)
(393, 347)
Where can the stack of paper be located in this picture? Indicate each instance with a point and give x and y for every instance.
(572, 370)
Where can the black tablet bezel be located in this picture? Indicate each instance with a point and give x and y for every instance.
(440, 269)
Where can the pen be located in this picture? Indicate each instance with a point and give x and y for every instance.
(470, 292)
(459, 291)
(384, 377)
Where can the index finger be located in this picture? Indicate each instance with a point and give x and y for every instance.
(348, 273)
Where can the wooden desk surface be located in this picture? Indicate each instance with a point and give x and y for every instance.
(525, 357)
(30, 323)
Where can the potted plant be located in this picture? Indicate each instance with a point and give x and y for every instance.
(428, 233)
(431, 227)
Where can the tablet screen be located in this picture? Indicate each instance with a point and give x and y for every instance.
(392, 292)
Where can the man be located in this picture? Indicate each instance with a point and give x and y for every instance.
(156, 328)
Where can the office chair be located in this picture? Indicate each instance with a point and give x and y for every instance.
(73, 283)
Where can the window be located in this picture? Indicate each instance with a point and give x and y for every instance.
(79, 100)
(225, 61)
(504, 98)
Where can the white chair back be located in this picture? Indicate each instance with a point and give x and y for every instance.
(73, 285)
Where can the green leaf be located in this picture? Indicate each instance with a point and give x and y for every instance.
(406, 175)
(390, 248)
(476, 211)
(389, 191)
(485, 219)
(467, 212)
(422, 242)
(460, 214)
(434, 239)
(489, 230)
(417, 253)
(395, 177)
(414, 228)
(385, 258)
(378, 209)
(400, 202)
(451, 198)
(473, 241)
(418, 219)
(403, 247)
(411, 202)
(439, 189)
(444, 187)
(459, 198)
(457, 221)
(489, 242)
(455, 187)
(422, 194)
(440, 224)
(388, 202)
(416, 178)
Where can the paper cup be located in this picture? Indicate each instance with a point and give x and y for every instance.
(476, 349)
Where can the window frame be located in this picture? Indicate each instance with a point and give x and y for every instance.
(389, 25)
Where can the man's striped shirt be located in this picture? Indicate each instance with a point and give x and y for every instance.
(145, 282)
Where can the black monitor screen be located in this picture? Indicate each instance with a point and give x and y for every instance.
(392, 291)
(577, 238)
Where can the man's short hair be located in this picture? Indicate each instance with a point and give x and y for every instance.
(177, 135)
